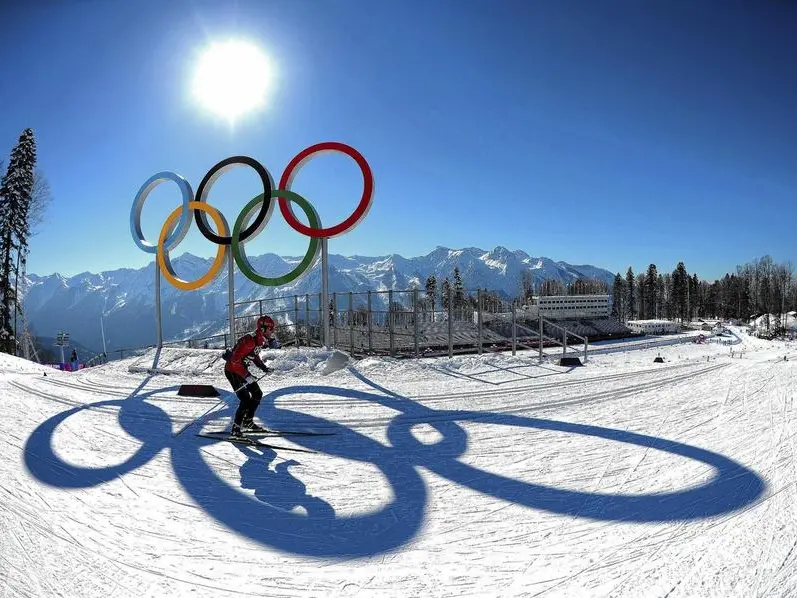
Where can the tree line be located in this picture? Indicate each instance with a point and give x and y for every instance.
(756, 288)
(24, 195)
(451, 291)
(653, 295)
(438, 297)
(759, 287)
(554, 287)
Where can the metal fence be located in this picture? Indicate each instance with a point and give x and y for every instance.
(403, 323)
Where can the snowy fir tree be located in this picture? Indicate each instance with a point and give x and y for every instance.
(618, 298)
(431, 291)
(16, 188)
(680, 290)
(445, 292)
(651, 291)
(630, 304)
(459, 290)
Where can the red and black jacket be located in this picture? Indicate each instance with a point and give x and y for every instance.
(245, 349)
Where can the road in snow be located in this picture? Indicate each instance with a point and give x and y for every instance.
(479, 475)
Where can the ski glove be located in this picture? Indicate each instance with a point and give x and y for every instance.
(274, 344)
(250, 379)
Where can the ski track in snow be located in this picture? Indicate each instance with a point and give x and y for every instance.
(142, 532)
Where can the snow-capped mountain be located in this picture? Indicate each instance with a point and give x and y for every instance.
(125, 297)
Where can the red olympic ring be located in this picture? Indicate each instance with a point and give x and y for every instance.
(359, 212)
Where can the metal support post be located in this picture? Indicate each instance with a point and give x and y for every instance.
(539, 312)
(586, 347)
(514, 331)
(296, 319)
(231, 291)
(158, 317)
(370, 325)
(450, 324)
(390, 322)
(307, 318)
(333, 318)
(351, 323)
(322, 317)
(325, 291)
(479, 311)
(564, 342)
(415, 319)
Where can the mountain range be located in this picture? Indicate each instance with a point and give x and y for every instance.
(120, 302)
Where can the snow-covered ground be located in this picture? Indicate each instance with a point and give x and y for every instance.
(485, 475)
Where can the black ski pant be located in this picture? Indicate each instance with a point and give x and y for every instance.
(249, 396)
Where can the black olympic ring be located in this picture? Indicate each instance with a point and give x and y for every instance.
(266, 206)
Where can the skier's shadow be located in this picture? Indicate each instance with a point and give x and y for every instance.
(278, 488)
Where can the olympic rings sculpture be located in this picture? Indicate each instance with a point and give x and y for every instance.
(260, 207)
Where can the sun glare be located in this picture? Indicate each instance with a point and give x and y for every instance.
(232, 78)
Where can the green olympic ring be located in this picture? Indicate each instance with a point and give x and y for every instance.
(238, 246)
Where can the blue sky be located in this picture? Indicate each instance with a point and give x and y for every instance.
(610, 133)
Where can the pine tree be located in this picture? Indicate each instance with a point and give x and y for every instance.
(680, 289)
(661, 297)
(527, 286)
(15, 195)
(640, 293)
(459, 290)
(445, 292)
(618, 297)
(651, 290)
(669, 305)
(431, 292)
(630, 305)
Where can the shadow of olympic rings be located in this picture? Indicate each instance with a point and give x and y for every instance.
(141, 420)
(319, 532)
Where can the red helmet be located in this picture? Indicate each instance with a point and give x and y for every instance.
(265, 326)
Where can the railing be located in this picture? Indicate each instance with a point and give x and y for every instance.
(403, 323)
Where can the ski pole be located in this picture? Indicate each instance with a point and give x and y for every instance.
(196, 419)
(258, 379)
(193, 421)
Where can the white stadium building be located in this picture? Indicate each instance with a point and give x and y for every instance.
(652, 326)
(583, 315)
(563, 307)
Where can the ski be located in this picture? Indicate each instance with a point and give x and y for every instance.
(276, 433)
(251, 442)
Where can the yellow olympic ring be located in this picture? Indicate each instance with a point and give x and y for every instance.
(163, 253)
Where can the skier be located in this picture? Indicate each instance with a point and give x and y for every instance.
(243, 383)
(73, 362)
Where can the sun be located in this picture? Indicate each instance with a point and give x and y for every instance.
(232, 78)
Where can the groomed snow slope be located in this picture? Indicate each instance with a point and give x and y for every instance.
(483, 475)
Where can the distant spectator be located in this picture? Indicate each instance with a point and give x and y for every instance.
(73, 360)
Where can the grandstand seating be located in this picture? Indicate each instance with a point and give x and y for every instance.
(609, 326)
(497, 331)
(593, 329)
